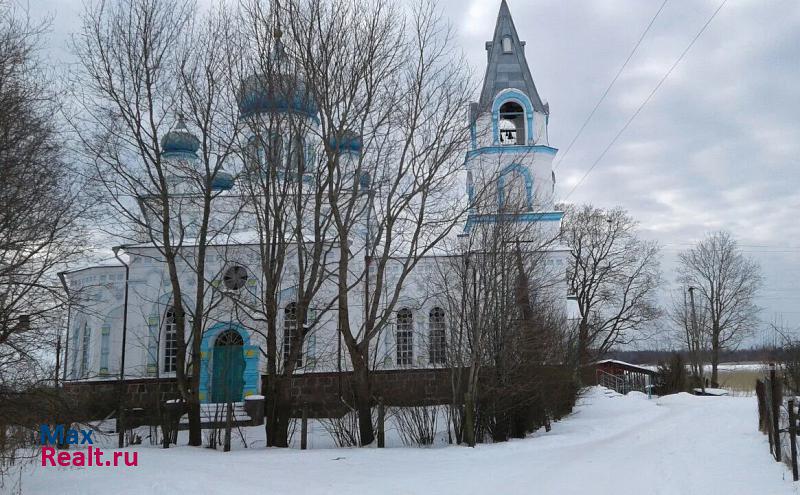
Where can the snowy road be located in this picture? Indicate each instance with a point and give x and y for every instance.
(677, 445)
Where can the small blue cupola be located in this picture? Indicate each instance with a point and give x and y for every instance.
(223, 181)
(350, 142)
(179, 142)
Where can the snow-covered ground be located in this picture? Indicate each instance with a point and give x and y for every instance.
(611, 444)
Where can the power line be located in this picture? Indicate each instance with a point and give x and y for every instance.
(768, 246)
(646, 100)
(746, 251)
(611, 85)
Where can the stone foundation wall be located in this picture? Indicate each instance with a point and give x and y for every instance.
(100, 398)
(322, 394)
(328, 394)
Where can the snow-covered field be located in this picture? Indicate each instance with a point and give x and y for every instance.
(611, 444)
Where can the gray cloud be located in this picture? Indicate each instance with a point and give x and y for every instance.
(716, 148)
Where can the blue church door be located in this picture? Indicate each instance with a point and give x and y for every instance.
(227, 382)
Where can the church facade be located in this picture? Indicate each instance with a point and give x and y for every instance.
(509, 156)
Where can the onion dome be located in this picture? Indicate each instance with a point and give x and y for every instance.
(282, 94)
(179, 142)
(223, 181)
(350, 142)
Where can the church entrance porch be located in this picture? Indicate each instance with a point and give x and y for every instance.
(228, 364)
(227, 381)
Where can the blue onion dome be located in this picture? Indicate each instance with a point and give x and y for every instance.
(349, 142)
(179, 142)
(223, 181)
(278, 93)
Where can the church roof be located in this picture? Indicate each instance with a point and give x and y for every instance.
(508, 68)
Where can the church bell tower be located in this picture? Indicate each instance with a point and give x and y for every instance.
(509, 165)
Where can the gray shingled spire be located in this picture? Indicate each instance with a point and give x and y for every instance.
(506, 69)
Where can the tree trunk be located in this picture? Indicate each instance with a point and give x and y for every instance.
(714, 366)
(193, 411)
(278, 415)
(195, 428)
(283, 415)
(583, 345)
(469, 419)
(361, 391)
(271, 404)
(715, 356)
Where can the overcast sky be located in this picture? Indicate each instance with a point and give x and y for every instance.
(717, 147)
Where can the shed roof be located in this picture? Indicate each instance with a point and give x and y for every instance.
(627, 366)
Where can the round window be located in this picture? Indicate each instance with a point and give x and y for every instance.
(235, 277)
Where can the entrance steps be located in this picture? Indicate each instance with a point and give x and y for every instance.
(214, 415)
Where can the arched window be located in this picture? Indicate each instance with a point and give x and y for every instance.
(297, 157)
(273, 156)
(105, 348)
(291, 335)
(264, 152)
(405, 337)
(507, 44)
(512, 124)
(514, 194)
(74, 349)
(170, 341)
(436, 339)
(85, 351)
(228, 337)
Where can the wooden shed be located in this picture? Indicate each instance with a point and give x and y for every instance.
(623, 377)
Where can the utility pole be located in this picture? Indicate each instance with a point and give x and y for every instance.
(62, 278)
(121, 392)
(695, 344)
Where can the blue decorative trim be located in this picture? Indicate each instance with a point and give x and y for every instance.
(501, 181)
(350, 143)
(549, 216)
(186, 155)
(251, 355)
(257, 99)
(515, 150)
(512, 94)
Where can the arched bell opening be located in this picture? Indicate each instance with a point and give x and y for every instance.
(512, 124)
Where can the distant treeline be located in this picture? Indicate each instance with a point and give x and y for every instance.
(753, 354)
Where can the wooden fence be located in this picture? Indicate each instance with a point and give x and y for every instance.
(778, 418)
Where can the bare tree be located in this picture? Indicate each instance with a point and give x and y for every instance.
(285, 197)
(691, 321)
(40, 202)
(142, 64)
(613, 276)
(392, 79)
(506, 325)
(41, 232)
(789, 355)
(726, 283)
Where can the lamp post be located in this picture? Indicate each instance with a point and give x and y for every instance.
(121, 397)
(62, 278)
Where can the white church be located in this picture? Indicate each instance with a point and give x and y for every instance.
(509, 154)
